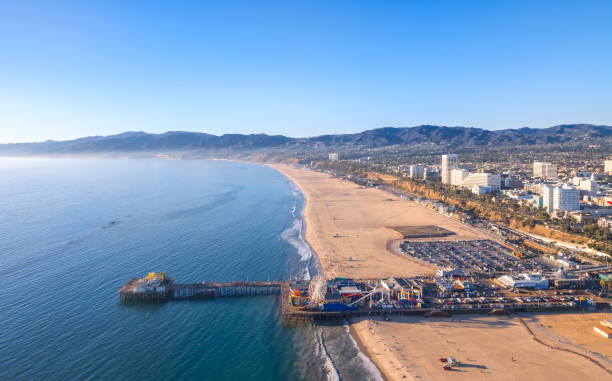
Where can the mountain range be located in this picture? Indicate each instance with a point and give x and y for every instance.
(181, 141)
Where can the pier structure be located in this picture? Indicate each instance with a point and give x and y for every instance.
(229, 289)
(156, 287)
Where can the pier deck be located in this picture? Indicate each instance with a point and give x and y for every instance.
(131, 293)
(169, 290)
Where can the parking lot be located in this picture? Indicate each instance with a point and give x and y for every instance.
(503, 299)
(479, 256)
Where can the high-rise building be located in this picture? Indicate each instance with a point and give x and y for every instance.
(416, 171)
(547, 197)
(544, 170)
(608, 166)
(566, 198)
(449, 162)
(333, 157)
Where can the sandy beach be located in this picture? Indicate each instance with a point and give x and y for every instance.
(486, 348)
(348, 227)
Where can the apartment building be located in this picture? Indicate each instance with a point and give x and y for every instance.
(449, 162)
(544, 170)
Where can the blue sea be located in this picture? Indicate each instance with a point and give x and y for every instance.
(72, 231)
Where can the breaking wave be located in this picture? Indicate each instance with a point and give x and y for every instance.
(367, 363)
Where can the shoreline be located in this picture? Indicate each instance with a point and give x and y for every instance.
(364, 349)
(361, 348)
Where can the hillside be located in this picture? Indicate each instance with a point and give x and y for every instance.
(180, 141)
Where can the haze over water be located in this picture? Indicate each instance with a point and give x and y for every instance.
(73, 231)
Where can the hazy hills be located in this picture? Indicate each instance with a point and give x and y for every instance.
(179, 141)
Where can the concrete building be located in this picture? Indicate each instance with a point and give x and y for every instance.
(566, 198)
(457, 176)
(483, 180)
(416, 171)
(608, 166)
(333, 157)
(535, 188)
(544, 170)
(547, 197)
(449, 162)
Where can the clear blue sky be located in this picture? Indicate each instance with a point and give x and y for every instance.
(299, 68)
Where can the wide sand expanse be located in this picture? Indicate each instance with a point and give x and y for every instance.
(486, 348)
(573, 331)
(347, 226)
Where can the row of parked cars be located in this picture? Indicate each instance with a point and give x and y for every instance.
(507, 302)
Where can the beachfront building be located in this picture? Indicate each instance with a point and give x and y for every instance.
(449, 162)
(333, 156)
(532, 281)
(547, 197)
(416, 171)
(457, 176)
(483, 179)
(566, 198)
(544, 170)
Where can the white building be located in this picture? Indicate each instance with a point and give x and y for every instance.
(566, 198)
(589, 185)
(483, 180)
(534, 281)
(457, 176)
(416, 171)
(333, 157)
(544, 170)
(547, 197)
(608, 166)
(449, 162)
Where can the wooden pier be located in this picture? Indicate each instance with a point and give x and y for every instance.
(229, 289)
(131, 293)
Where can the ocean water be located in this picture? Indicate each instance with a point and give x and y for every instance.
(72, 231)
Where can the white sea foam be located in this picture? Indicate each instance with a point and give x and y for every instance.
(328, 363)
(367, 363)
(293, 235)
